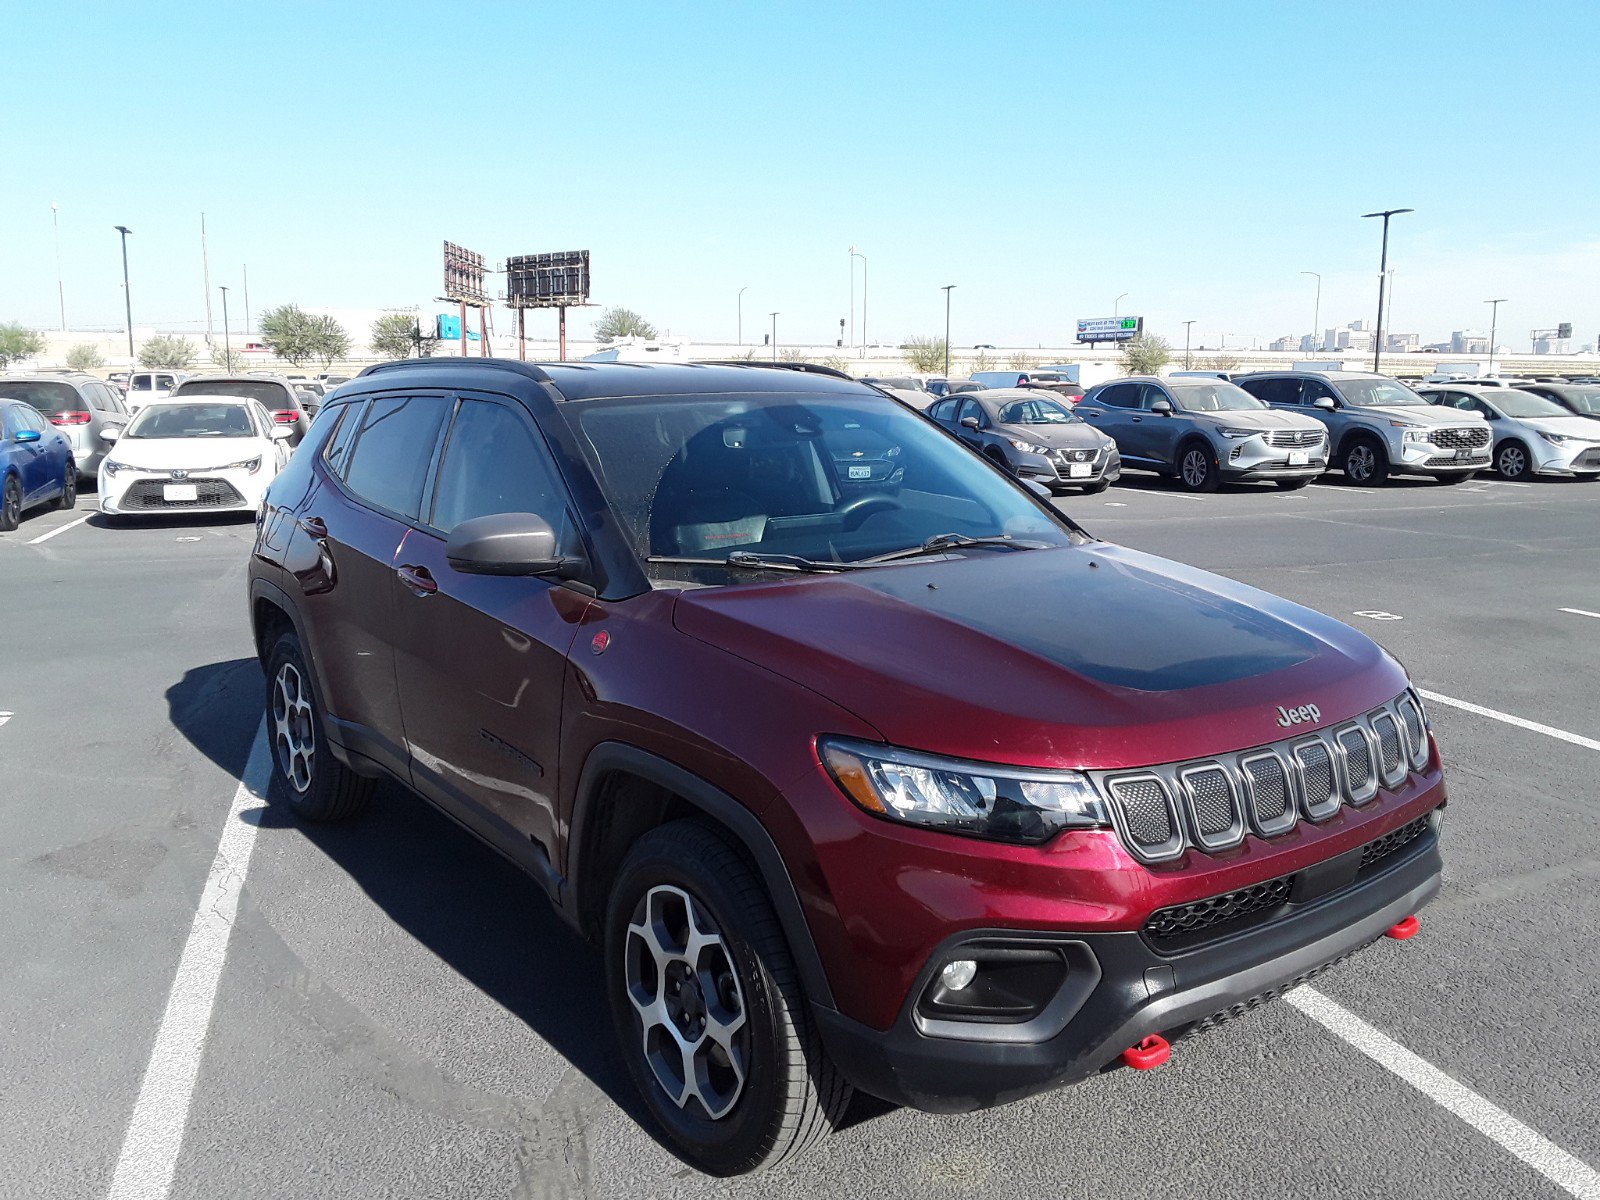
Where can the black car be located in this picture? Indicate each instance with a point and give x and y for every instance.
(1033, 435)
(1579, 399)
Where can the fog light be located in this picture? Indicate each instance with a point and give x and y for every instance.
(958, 974)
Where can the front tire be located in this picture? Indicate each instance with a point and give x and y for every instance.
(69, 488)
(319, 787)
(708, 1007)
(1365, 463)
(1197, 468)
(10, 506)
(1513, 462)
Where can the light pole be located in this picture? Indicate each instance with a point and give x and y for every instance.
(127, 296)
(774, 337)
(1186, 325)
(947, 290)
(742, 291)
(61, 291)
(1494, 316)
(1383, 269)
(227, 342)
(1316, 314)
(1116, 307)
(855, 254)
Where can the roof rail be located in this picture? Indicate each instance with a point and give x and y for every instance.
(476, 364)
(808, 368)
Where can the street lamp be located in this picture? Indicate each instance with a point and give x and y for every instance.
(1116, 307)
(227, 342)
(1316, 314)
(61, 291)
(742, 291)
(1494, 316)
(1186, 325)
(774, 337)
(1383, 269)
(855, 254)
(947, 290)
(127, 296)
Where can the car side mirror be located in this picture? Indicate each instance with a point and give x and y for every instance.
(1324, 402)
(281, 433)
(509, 544)
(969, 422)
(25, 436)
(110, 433)
(1164, 407)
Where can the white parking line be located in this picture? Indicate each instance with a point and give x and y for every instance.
(1348, 491)
(1570, 1174)
(1577, 739)
(155, 1131)
(45, 537)
(1580, 612)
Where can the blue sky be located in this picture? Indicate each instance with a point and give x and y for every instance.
(1042, 157)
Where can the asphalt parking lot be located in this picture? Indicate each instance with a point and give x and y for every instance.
(400, 1013)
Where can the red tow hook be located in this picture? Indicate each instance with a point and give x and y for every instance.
(1148, 1054)
(1407, 928)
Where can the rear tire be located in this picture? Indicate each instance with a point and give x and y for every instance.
(1365, 462)
(69, 488)
(319, 787)
(10, 506)
(1197, 467)
(765, 1071)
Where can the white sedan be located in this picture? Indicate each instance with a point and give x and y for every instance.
(197, 454)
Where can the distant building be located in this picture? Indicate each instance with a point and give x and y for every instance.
(1401, 343)
(1469, 341)
(1552, 346)
(1351, 337)
(1287, 343)
(1308, 344)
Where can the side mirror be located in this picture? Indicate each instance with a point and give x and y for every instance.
(110, 433)
(969, 422)
(1324, 402)
(25, 436)
(281, 433)
(1163, 407)
(509, 544)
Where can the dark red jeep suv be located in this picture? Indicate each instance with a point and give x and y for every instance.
(891, 780)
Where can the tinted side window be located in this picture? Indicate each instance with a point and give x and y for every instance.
(969, 408)
(1150, 394)
(389, 464)
(494, 462)
(943, 410)
(1121, 395)
(1273, 391)
(348, 419)
(1314, 389)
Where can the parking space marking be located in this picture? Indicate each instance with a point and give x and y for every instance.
(1571, 1174)
(1347, 491)
(1580, 612)
(1577, 739)
(150, 1147)
(6, 716)
(45, 537)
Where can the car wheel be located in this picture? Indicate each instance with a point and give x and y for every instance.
(10, 506)
(319, 786)
(69, 487)
(1513, 461)
(708, 1007)
(1365, 463)
(1291, 485)
(1197, 468)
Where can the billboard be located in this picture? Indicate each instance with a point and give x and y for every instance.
(448, 326)
(1109, 329)
(553, 280)
(463, 275)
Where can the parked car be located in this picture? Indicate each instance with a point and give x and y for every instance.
(1378, 427)
(79, 405)
(1580, 399)
(932, 794)
(36, 464)
(193, 454)
(1226, 375)
(1064, 388)
(1200, 432)
(1532, 435)
(145, 386)
(273, 392)
(1012, 379)
(946, 387)
(1032, 435)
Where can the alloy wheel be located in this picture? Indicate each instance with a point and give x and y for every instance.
(685, 991)
(11, 506)
(1512, 462)
(1360, 463)
(1195, 467)
(294, 738)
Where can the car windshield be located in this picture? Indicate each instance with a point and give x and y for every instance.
(1036, 412)
(1516, 403)
(47, 396)
(1212, 397)
(272, 395)
(191, 421)
(828, 479)
(1584, 400)
(1370, 393)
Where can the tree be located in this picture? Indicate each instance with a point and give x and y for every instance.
(18, 342)
(229, 360)
(1220, 362)
(617, 323)
(982, 362)
(84, 357)
(1021, 362)
(837, 363)
(1145, 355)
(925, 355)
(329, 341)
(395, 335)
(171, 353)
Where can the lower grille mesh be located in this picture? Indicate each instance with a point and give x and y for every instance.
(1202, 914)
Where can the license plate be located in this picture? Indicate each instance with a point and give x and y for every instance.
(1079, 470)
(1298, 458)
(1464, 452)
(860, 472)
(179, 491)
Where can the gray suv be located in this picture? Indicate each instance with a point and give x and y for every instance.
(1378, 426)
(77, 404)
(1202, 431)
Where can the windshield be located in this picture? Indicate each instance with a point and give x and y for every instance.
(830, 479)
(1036, 412)
(48, 397)
(1369, 393)
(191, 421)
(271, 394)
(1212, 397)
(1516, 403)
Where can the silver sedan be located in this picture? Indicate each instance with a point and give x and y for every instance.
(1532, 435)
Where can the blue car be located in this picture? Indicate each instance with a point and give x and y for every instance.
(36, 465)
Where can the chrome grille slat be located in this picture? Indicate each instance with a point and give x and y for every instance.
(1293, 437)
(1215, 819)
(1271, 794)
(1355, 753)
(1391, 753)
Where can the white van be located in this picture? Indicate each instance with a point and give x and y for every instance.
(146, 386)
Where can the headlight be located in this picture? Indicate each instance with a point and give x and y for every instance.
(111, 466)
(1238, 433)
(1413, 433)
(1008, 804)
(1028, 447)
(1556, 439)
(250, 464)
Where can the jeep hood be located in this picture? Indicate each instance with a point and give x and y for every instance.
(1085, 656)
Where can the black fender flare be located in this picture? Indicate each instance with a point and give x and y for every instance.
(733, 816)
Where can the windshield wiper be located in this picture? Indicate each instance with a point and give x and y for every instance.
(751, 560)
(941, 542)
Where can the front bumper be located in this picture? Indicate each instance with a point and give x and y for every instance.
(1256, 458)
(1056, 468)
(1582, 462)
(1425, 458)
(1119, 990)
(142, 493)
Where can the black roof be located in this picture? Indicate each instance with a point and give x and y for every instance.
(586, 381)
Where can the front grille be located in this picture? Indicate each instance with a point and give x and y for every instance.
(1375, 851)
(1468, 437)
(1450, 460)
(1294, 437)
(146, 494)
(1212, 803)
(1079, 456)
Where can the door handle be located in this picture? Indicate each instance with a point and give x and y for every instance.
(313, 526)
(419, 579)
(1136, 420)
